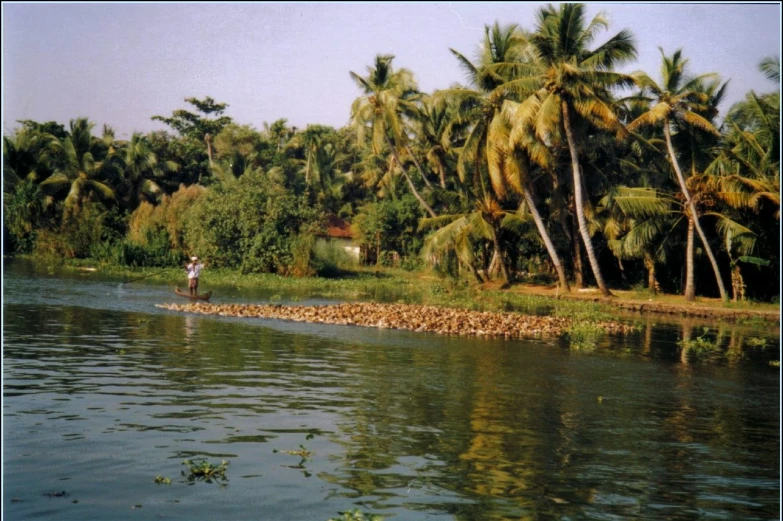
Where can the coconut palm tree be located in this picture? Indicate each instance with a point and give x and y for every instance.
(577, 82)
(725, 198)
(389, 96)
(770, 66)
(310, 139)
(678, 101)
(78, 167)
(278, 132)
(457, 234)
(640, 224)
(434, 123)
(140, 169)
(461, 232)
(21, 157)
(511, 164)
(503, 72)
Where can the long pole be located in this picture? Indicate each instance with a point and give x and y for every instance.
(144, 277)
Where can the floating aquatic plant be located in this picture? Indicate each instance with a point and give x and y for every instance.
(356, 515)
(160, 480)
(699, 344)
(302, 452)
(756, 342)
(203, 470)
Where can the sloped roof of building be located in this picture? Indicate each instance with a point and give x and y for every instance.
(338, 228)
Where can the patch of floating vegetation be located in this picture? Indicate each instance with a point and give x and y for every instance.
(448, 321)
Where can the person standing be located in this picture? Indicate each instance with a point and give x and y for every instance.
(194, 270)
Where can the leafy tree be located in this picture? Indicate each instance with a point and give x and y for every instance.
(198, 127)
(389, 225)
(250, 224)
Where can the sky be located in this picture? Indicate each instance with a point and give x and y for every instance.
(122, 63)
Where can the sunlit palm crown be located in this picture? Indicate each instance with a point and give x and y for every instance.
(389, 95)
(575, 73)
(679, 96)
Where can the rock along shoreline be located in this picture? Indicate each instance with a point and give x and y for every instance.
(433, 319)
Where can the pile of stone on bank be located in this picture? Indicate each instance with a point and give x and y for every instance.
(448, 321)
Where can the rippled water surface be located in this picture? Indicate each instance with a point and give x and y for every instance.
(103, 392)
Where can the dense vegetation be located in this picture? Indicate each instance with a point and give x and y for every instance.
(549, 163)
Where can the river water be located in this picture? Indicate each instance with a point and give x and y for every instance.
(103, 392)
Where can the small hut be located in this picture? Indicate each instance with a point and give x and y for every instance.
(338, 231)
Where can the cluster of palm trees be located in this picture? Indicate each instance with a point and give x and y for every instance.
(72, 166)
(547, 152)
(547, 120)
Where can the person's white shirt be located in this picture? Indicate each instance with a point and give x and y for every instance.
(194, 270)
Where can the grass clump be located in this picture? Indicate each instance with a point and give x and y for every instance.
(584, 336)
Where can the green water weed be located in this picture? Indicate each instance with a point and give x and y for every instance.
(756, 342)
(356, 515)
(302, 452)
(161, 480)
(700, 344)
(584, 336)
(202, 470)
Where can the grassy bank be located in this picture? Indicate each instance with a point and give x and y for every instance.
(396, 285)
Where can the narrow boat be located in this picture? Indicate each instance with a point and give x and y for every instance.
(186, 294)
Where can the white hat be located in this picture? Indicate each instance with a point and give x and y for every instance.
(194, 258)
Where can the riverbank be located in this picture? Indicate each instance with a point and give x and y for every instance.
(633, 301)
(425, 288)
(433, 319)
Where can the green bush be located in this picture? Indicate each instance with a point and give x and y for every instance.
(302, 255)
(329, 257)
(252, 224)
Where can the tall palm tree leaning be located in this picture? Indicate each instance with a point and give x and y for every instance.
(513, 158)
(388, 95)
(497, 76)
(576, 85)
(506, 71)
(675, 99)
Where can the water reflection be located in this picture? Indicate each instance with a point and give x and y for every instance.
(100, 400)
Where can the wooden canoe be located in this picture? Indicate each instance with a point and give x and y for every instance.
(186, 294)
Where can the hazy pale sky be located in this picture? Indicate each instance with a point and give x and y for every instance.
(122, 63)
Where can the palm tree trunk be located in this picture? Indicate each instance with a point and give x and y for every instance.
(476, 273)
(580, 211)
(569, 228)
(307, 168)
(622, 269)
(579, 272)
(418, 166)
(500, 254)
(652, 284)
(737, 284)
(694, 214)
(690, 287)
(416, 194)
(542, 231)
(442, 173)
